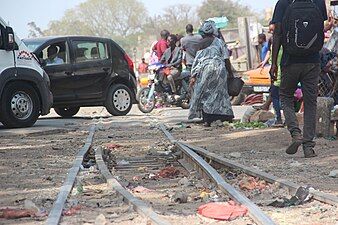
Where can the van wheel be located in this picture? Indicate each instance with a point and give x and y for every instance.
(66, 111)
(20, 105)
(119, 100)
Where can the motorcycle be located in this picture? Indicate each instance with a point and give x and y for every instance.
(158, 91)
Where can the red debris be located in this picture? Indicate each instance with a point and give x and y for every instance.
(222, 211)
(252, 183)
(72, 210)
(19, 213)
(168, 172)
(113, 146)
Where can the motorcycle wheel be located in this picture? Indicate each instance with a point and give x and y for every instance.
(144, 105)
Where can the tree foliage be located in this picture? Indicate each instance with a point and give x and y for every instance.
(129, 24)
(218, 8)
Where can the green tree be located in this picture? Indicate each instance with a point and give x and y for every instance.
(229, 8)
(105, 18)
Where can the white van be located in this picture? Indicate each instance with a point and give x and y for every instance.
(24, 85)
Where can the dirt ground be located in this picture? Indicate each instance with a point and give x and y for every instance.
(33, 166)
(265, 149)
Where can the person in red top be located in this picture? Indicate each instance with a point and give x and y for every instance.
(161, 45)
(142, 67)
(141, 72)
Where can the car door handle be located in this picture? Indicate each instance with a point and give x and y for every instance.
(70, 73)
(106, 69)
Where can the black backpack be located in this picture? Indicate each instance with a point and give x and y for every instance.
(303, 28)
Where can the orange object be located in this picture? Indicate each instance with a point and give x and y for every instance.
(144, 81)
(257, 76)
(222, 211)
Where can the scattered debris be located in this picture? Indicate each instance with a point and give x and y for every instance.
(252, 183)
(29, 205)
(184, 182)
(180, 197)
(72, 210)
(113, 146)
(142, 169)
(20, 213)
(141, 189)
(222, 211)
(235, 154)
(217, 123)
(100, 220)
(302, 196)
(122, 162)
(168, 172)
(334, 174)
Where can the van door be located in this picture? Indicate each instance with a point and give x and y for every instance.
(59, 69)
(92, 68)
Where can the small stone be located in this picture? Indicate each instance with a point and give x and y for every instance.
(100, 220)
(235, 154)
(184, 182)
(180, 197)
(296, 164)
(334, 174)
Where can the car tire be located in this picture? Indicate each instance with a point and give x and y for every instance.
(119, 100)
(66, 112)
(19, 106)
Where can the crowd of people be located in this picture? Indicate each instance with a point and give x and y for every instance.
(206, 56)
(296, 63)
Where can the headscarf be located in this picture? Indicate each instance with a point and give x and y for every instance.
(208, 27)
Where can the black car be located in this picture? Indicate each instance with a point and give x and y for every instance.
(86, 71)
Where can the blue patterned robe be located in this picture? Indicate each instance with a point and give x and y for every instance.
(210, 90)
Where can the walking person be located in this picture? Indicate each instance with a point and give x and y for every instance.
(189, 44)
(299, 27)
(210, 71)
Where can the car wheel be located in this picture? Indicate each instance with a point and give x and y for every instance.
(119, 100)
(66, 111)
(20, 105)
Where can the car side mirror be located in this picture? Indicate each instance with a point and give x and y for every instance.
(9, 42)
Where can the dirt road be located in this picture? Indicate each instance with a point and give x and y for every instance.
(34, 163)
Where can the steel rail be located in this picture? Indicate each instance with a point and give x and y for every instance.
(138, 205)
(58, 205)
(214, 158)
(205, 169)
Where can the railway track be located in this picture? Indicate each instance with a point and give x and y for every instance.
(188, 160)
(160, 183)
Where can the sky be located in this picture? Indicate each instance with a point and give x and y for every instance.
(20, 12)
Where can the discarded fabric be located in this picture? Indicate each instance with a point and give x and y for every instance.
(222, 211)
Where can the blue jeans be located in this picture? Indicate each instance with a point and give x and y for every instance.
(274, 93)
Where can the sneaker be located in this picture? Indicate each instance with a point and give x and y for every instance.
(293, 147)
(309, 152)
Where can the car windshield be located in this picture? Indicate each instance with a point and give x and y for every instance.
(32, 45)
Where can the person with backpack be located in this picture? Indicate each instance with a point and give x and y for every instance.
(299, 28)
